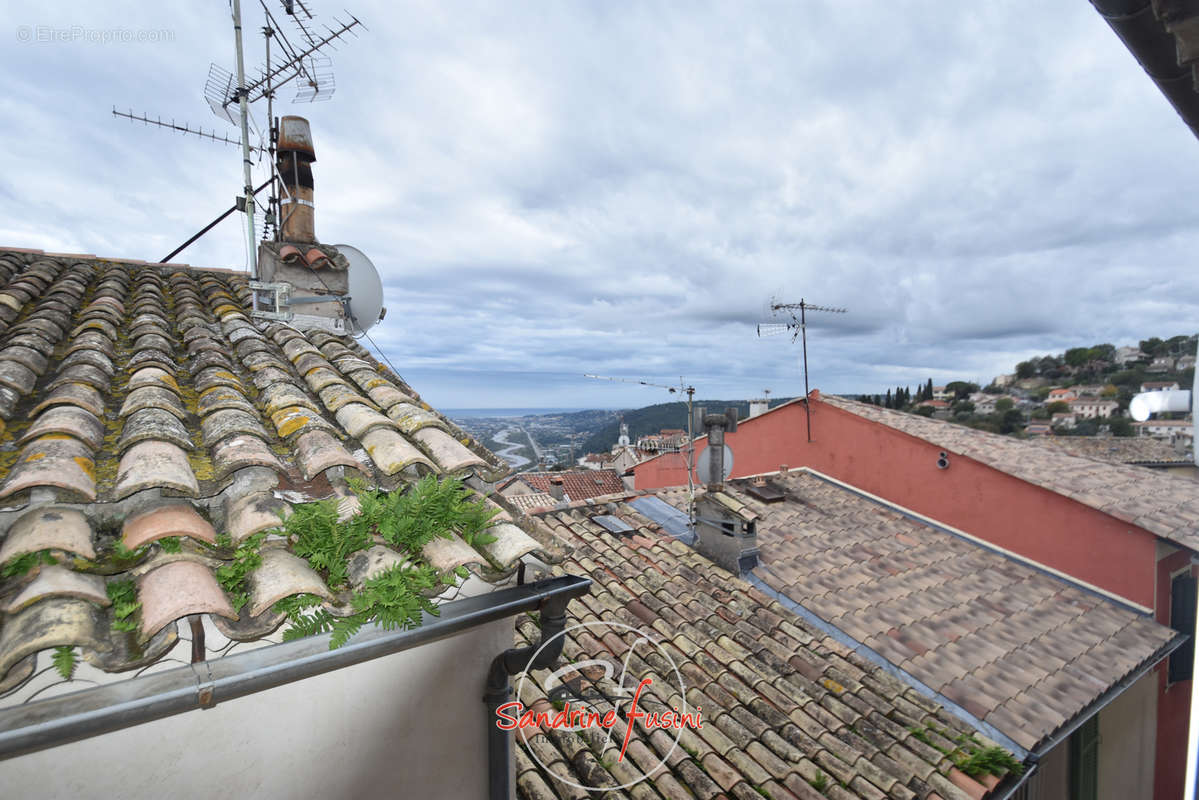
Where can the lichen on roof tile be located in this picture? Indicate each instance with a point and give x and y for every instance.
(153, 424)
(450, 454)
(357, 419)
(155, 464)
(57, 581)
(68, 420)
(318, 451)
(243, 450)
(280, 575)
(48, 528)
(56, 622)
(53, 460)
(78, 394)
(392, 452)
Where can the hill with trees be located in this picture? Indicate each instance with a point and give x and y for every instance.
(655, 418)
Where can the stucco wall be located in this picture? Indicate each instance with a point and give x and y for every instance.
(1127, 743)
(1034, 522)
(406, 725)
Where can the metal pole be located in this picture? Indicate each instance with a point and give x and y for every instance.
(690, 456)
(272, 199)
(244, 109)
(803, 329)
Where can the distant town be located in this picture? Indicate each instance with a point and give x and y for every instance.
(1081, 393)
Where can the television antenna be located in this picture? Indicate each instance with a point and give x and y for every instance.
(683, 387)
(229, 95)
(799, 329)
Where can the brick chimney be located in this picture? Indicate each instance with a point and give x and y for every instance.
(294, 158)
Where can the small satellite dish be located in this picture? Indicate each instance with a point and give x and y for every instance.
(703, 465)
(366, 290)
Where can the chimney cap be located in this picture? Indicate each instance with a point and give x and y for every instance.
(295, 136)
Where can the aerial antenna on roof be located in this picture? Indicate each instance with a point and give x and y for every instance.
(799, 329)
(229, 95)
(689, 390)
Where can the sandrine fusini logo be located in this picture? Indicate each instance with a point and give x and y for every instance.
(599, 695)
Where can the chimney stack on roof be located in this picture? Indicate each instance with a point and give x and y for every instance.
(294, 158)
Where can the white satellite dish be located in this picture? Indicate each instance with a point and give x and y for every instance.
(703, 466)
(366, 290)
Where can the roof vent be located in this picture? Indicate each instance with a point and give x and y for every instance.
(767, 493)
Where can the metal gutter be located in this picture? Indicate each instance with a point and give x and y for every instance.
(91, 712)
(876, 658)
(1111, 694)
(1155, 49)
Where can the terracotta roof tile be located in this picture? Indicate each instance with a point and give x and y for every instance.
(142, 403)
(767, 724)
(577, 484)
(990, 633)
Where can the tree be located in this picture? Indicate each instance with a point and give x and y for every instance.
(1056, 407)
(1152, 346)
(1120, 426)
(963, 407)
(1011, 421)
(924, 411)
(961, 389)
(1109, 391)
(928, 390)
(1002, 406)
(886, 401)
(1026, 369)
(1077, 356)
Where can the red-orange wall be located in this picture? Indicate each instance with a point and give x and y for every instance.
(1050, 529)
(1173, 700)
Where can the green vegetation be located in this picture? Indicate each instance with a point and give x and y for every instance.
(171, 544)
(819, 783)
(125, 605)
(64, 661)
(246, 559)
(23, 563)
(398, 596)
(988, 760)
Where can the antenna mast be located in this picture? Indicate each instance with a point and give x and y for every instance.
(243, 108)
(690, 391)
(800, 328)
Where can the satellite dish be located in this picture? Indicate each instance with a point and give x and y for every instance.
(366, 290)
(703, 465)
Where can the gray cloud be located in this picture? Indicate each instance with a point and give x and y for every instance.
(562, 188)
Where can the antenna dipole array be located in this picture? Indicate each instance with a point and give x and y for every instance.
(175, 126)
(223, 90)
(799, 327)
(690, 392)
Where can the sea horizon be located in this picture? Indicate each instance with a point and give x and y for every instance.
(520, 411)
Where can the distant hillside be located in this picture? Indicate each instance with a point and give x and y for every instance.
(651, 419)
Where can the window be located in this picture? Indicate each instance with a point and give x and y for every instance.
(1084, 760)
(1182, 619)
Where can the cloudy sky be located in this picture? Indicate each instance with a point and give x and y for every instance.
(556, 188)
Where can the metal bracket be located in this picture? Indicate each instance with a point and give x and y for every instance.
(205, 685)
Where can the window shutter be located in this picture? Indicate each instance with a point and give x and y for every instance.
(1084, 761)
(1182, 619)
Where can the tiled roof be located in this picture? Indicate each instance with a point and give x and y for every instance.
(578, 484)
(1119, 450)
(532, 501)
(1164, 504)
(1018, 648)
(140, 402)
(782, 704)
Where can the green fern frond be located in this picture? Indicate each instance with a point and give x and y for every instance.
(64, 661)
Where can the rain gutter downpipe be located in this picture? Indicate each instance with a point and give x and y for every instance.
(499, 688)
